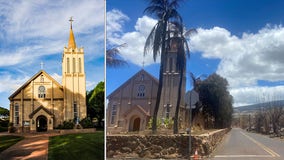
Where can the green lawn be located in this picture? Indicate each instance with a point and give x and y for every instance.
(77, 146)
(7, 141)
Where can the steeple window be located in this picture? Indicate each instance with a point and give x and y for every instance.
(68, 65)
(80, 66)
(74, 65)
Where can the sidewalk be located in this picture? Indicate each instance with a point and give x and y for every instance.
(33, 147)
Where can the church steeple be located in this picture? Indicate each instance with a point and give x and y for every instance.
(71, 43)
(73, 80)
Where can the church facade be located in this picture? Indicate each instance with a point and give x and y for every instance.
(131, 106)
(41, 104)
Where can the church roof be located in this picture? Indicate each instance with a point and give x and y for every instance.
(38, 109)
(142, 71)
(138, 108)
(71, 43)
(31, 79)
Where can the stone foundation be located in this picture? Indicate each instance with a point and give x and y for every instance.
(161, 146)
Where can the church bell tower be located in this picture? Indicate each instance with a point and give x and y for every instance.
(73, 80)
(171, 79)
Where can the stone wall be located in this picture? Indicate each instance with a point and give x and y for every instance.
(161, 146)
(74, 131)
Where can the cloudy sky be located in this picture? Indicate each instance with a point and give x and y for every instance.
(241, 40)
(36, 31)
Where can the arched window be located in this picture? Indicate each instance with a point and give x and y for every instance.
(80, 66)
(68, 65)
(75, 111)
(41, 92)
(141, 91)
(74, 65)
(16, 113)
(113, 114)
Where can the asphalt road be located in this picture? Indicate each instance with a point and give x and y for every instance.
(240, 144)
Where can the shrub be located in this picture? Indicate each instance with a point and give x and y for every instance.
(86, 123)
(11, 128)
(168, 123)
(150, 123)
(4, 123)
(3, 129)
(67, 125)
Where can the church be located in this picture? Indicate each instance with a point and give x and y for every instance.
(131, 106)
(41, 104)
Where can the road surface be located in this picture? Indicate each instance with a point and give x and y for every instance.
(240, 144)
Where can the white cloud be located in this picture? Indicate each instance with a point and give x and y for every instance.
(245, 60)
(256, 94)
(135, 40)
(115, 22)
(42, 27)
(9, 84)
(57, 77)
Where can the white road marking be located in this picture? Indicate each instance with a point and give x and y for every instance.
(242, 156)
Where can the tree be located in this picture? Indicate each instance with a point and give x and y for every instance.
(156, 42)
(112, 57)
(95, 102)
(195, 82)
(182, 53)
(275, 114)
(4, 112)
(216, 101)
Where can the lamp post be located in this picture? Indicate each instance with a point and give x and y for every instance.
(192, 98)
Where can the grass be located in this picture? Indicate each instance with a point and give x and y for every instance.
(7, 141)
(77, 146)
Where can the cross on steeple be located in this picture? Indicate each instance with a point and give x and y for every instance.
(71, 20)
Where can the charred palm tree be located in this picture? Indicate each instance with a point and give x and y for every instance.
(156, 42)
(112, 57)
(182, 54)
(195, 81)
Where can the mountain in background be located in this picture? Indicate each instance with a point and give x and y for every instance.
(259, 106)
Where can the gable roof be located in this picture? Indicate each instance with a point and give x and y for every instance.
(33, 78)
(142, 71)
(38, 109)
(138, 108)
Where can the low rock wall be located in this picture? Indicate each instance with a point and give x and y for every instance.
(73, 131)
(161, 146)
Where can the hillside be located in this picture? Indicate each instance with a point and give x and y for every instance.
(255, 107)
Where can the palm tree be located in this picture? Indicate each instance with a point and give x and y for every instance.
(195, 81)
(182, 53)
(156, 42)
(112, 57)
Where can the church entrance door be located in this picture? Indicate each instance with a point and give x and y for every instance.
(136, 124)
(41, 124)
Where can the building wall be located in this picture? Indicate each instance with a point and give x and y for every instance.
(131, 103)
(171, 78)
(28, 101)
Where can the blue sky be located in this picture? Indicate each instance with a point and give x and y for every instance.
(36, 31)
(241, 40)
